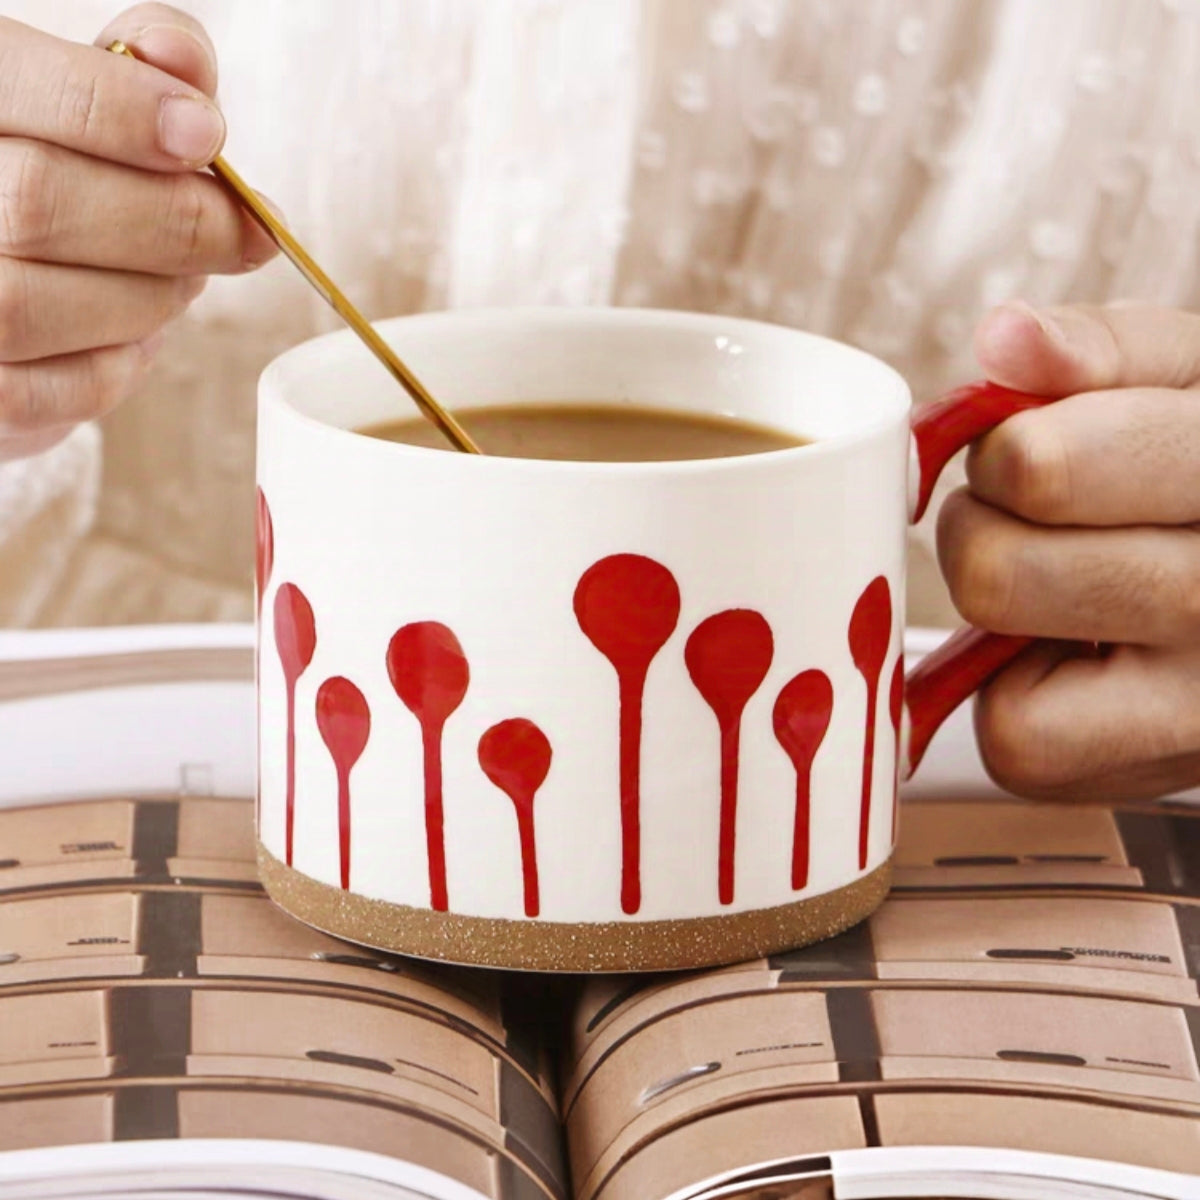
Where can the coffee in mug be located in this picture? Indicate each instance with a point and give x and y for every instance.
(597, 433)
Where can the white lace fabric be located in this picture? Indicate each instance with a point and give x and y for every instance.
(881, 171)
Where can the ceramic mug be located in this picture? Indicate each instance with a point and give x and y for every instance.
(589, 716)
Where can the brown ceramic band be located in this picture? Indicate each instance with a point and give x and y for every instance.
(624, 946)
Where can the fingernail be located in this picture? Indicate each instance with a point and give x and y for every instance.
(150, 346)
(190, 129)
(193, 285)
(145, 38)
(263, 247)
(1046, 323)
(259, 257)
(274, 208)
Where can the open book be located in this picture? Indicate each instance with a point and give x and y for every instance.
(1021, 1018)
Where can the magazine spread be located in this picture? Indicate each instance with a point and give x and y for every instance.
(1031, 985)
(1021, 1018)
(150, 990)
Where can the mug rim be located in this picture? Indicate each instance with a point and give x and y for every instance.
(274, 384)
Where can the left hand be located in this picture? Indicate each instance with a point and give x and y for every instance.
(1080, 524)
(107, 228)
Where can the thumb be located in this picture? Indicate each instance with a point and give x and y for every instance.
(168, 39)
(1087, 348)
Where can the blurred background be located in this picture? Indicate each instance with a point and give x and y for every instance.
(881, 171)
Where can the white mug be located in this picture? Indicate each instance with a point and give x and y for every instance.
(593, 716)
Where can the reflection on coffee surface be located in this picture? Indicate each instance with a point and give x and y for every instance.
(597, 433)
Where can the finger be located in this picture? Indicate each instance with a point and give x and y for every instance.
(26, 445)
(1056, 723)
(166, 38)
(59, 206)
(105, 105)
(53, 310)
(56, 393)
(1125, 457)
(1138, 585)
(1081, 348)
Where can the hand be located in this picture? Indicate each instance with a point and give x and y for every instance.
(1081, 524)
(107, 231)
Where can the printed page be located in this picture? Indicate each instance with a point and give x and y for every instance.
(135, 710)
(1030, 985)
(149, 991)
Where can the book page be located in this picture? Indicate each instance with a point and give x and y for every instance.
(149, 990)
(1030, 984)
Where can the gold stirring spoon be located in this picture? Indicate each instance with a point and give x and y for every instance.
(333, 296)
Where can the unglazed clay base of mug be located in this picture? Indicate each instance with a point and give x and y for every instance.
(616, 946)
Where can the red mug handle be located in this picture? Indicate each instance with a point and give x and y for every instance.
(968, 659)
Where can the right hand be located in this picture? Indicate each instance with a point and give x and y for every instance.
(107, 231)
(1081, 527)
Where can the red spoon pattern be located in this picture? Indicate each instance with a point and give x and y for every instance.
(728, 656)
(628, 606)
(801, 719)
(430, 673)
(295, 642)
(264, 560)
(895, 711)
(515, 755)
(870, 634)
(264, 555)
(344, 722)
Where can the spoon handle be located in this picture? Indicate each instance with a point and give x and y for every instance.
(343, 803)
(337, 300)
(731, 730)
(334, 297)
(529, 869)
(630, 688)
(435, 820)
